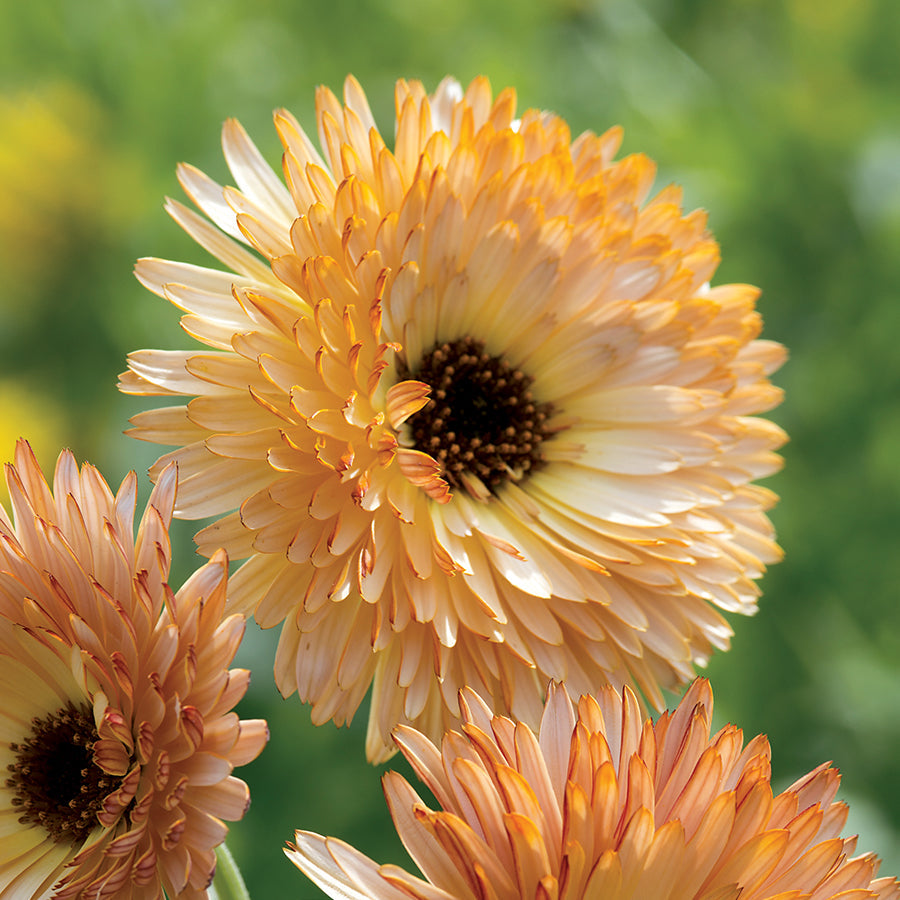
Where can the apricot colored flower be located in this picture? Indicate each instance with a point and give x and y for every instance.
(116, 727)
(471, 409)
(598, 804)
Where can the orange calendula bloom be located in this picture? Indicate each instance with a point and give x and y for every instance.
(471, 409)
(599, 804)
(117, 735)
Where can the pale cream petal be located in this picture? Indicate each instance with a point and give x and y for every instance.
(316, 856)
(253, 175)
(220, 246)
(209, 197)
(156, 274)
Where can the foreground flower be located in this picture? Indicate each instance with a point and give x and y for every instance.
(116, 726)
(484, 419)
(598, 805)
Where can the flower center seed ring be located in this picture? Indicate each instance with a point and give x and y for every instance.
(56, 783)
(481, 418)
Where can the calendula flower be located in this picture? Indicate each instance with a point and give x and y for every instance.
(599, 805)
(479, 416)
(117, 734)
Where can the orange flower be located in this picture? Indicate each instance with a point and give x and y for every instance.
(483, 419)
(598, 805)
(116, 729)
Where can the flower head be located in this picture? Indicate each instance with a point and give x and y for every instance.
(117, 734)
(598, 804)
(479, 414)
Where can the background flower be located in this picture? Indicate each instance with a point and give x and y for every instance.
(24, 412)
(484, 419)
(597, 805)
(117, 726)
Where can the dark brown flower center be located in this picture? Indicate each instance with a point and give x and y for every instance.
(55, 781)
(481, 418)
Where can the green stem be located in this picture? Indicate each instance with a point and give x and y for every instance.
(228, 883)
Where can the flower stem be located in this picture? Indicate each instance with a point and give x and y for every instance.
(228, 883)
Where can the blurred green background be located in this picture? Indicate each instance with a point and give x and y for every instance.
(781, 118)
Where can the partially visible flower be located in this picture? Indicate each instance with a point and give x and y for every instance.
(599, 805)
(117, 734)
(484, 418)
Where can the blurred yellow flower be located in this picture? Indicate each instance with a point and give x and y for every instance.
(597, 805)
(484, 419)
(25, 412)
(51, 166)
(116, 728)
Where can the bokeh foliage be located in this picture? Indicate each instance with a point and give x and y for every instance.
(781, 118)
